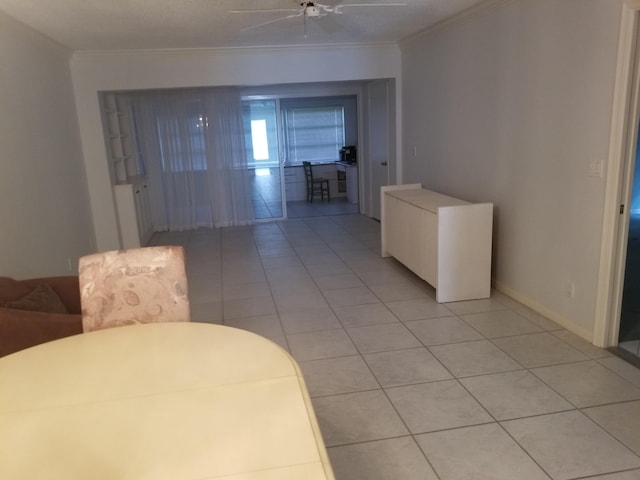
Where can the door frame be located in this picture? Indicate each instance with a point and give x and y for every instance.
(619, 181)
(365, 161)
(283, 193)
(374, 194)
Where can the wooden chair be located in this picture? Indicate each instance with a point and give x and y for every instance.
(140, 285)
(315, 186)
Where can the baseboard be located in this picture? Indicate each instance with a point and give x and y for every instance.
(544, 311)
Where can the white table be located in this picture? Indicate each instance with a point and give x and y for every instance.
(173, 401)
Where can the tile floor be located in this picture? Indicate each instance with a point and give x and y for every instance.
(337, 206)
(404, 387)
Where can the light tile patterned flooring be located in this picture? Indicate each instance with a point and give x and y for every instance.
(404, 387)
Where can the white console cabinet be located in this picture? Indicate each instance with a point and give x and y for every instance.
(443, 240)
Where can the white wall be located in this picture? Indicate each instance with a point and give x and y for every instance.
(44, 209)
(511, 106)
(94, 72)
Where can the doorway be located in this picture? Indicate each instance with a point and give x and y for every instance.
(629, 332)
(283, 131)
(618, 234)
(260, 122)
(380, 141)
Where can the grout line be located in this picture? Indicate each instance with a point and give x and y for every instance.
(292, 231)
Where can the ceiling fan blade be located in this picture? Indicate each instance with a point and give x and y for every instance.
(270, 22)
(372, 5)
(267, 10)
(338, 8)
(323, 7)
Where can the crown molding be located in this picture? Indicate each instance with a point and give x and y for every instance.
(227, 51)
(479, 9)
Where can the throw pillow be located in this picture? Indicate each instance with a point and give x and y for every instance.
(42, 299)
(11, 289)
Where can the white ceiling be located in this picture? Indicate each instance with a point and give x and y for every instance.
(162, 24)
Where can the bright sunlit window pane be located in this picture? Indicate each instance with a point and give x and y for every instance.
(259, 139)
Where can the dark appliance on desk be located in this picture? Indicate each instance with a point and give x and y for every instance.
(348, 154)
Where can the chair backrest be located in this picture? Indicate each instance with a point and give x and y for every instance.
(139, 285)
(308, 172)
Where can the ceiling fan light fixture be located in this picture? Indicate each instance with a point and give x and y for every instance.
(311, 11)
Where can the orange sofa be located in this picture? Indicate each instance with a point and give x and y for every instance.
(38, 310)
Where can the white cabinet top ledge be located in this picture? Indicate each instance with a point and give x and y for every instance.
(425, 199)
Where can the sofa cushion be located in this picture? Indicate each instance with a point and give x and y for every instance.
(42, 299)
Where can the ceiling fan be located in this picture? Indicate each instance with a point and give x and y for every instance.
(309, 9)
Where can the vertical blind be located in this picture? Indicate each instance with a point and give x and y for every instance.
(313, 134)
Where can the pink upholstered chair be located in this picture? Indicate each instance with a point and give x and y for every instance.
(140, 285)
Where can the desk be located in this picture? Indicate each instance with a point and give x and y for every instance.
(158, 401)
(296, 182)
(350, 171)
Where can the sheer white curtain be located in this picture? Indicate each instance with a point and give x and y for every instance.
(228, 170)
(187, 139)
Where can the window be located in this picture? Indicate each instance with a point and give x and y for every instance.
(260, 134)
(313, 134)
(259, 139)
(309, 129)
